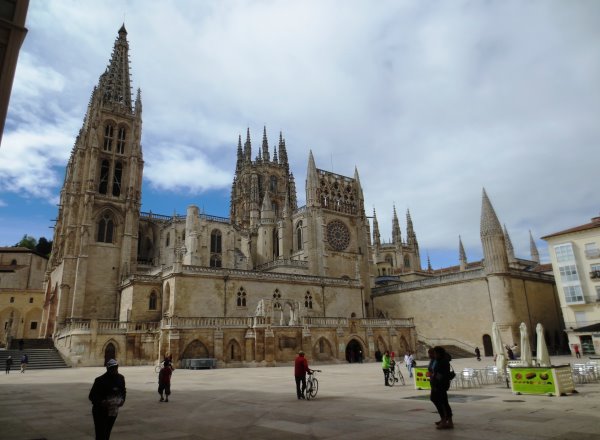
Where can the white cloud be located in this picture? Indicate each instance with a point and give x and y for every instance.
(430, 102)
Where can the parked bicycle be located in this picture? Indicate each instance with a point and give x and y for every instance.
(312, 385)
(395, 375)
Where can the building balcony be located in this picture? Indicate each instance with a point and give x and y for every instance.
(595, 274)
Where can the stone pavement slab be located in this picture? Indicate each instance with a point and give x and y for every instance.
(260, 403)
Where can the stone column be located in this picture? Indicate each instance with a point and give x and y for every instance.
(269, 345)
(250, 340)
(307, 341)
(259, 344)
(370, 342)
(218, 344)
(174, 345)
(341, 355)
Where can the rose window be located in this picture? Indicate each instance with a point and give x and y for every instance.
(338, 235)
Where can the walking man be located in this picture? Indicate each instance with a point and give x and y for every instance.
(576, 348)
(300, 370)
(24, 362)
(164, 381)
(8, 364)
(478, 353)
(107, 396)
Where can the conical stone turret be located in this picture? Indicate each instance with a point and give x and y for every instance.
(492, 238)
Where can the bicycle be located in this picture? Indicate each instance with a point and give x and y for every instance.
(312, 385)
(395, 375)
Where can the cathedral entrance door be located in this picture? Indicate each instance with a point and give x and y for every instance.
(354, 351)
(110, 352)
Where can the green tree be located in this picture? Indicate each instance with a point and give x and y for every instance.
(28, 242)
(44, 246)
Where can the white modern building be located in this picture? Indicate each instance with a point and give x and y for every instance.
(575, 256)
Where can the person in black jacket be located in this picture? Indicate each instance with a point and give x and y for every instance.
(440, 383)
(107, 396)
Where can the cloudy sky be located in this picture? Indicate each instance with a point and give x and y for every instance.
(431, 100)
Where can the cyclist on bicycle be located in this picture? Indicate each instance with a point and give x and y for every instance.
(385, 366)
(300, 370)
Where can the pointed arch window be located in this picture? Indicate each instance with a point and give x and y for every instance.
(117, 177)
(104, 171)
(273, 185)
(406, 261)
(152, 301)
(299, 235)
(276, 299)
(215, 248)
(275, 244)
(308, 300)
(241, 297)
(109, 133)
(168, 241)
(106, 228)
(121, 140)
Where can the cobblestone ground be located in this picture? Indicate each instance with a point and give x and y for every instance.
(260, 403)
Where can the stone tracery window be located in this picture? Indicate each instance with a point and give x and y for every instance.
(215, 248)
(152, 300)
(308, 300)
(121, 141)
(241, 297)
(104, 171)
(106, 228)
(108, 137)
(338, 235)
(299, 235)
(117, 177)
(276, 300)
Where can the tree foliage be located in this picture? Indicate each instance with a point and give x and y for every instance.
(42, 246)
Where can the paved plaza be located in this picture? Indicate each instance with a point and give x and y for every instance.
(260, 403)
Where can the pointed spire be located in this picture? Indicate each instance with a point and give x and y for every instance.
(396, 233)
(411, 237)
(490, 225)
(510, 251)
(283, 153)
(286, 206)
(495, 255)
(376, 235)
(535, 255)
(138, 103)
(312, 182)
(275, 158)
(462, 255)
(265, 146)
(266, 211)
(429, 268)
(115, 82)
(240, 157)
(248, 147)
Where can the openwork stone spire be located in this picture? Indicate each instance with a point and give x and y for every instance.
(396, 233)
(265, 146)
(510, 251)
(462, 255)
(535, 255)
(115, 82)
(490, 225)
(376, 235)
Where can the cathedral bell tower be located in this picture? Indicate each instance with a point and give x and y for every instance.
(99, 202)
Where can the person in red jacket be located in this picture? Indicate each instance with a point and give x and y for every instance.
(164, 381)
(300, 370)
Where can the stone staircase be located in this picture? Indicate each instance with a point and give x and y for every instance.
(41, 354)
(457, 352)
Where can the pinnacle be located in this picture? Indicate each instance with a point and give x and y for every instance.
(490, 225)
(462, 255)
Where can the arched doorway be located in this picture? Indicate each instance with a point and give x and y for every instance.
(195, 350)
(110, 352)
(487, 346)
(234, 351)
(322, 350)
(354, 351)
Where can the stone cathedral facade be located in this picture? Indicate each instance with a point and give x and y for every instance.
(251, 289)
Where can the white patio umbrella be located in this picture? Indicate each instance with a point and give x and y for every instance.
(526, 356)
(498, 349)
(542, 356)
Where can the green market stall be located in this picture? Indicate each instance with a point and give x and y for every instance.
(553, 381)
